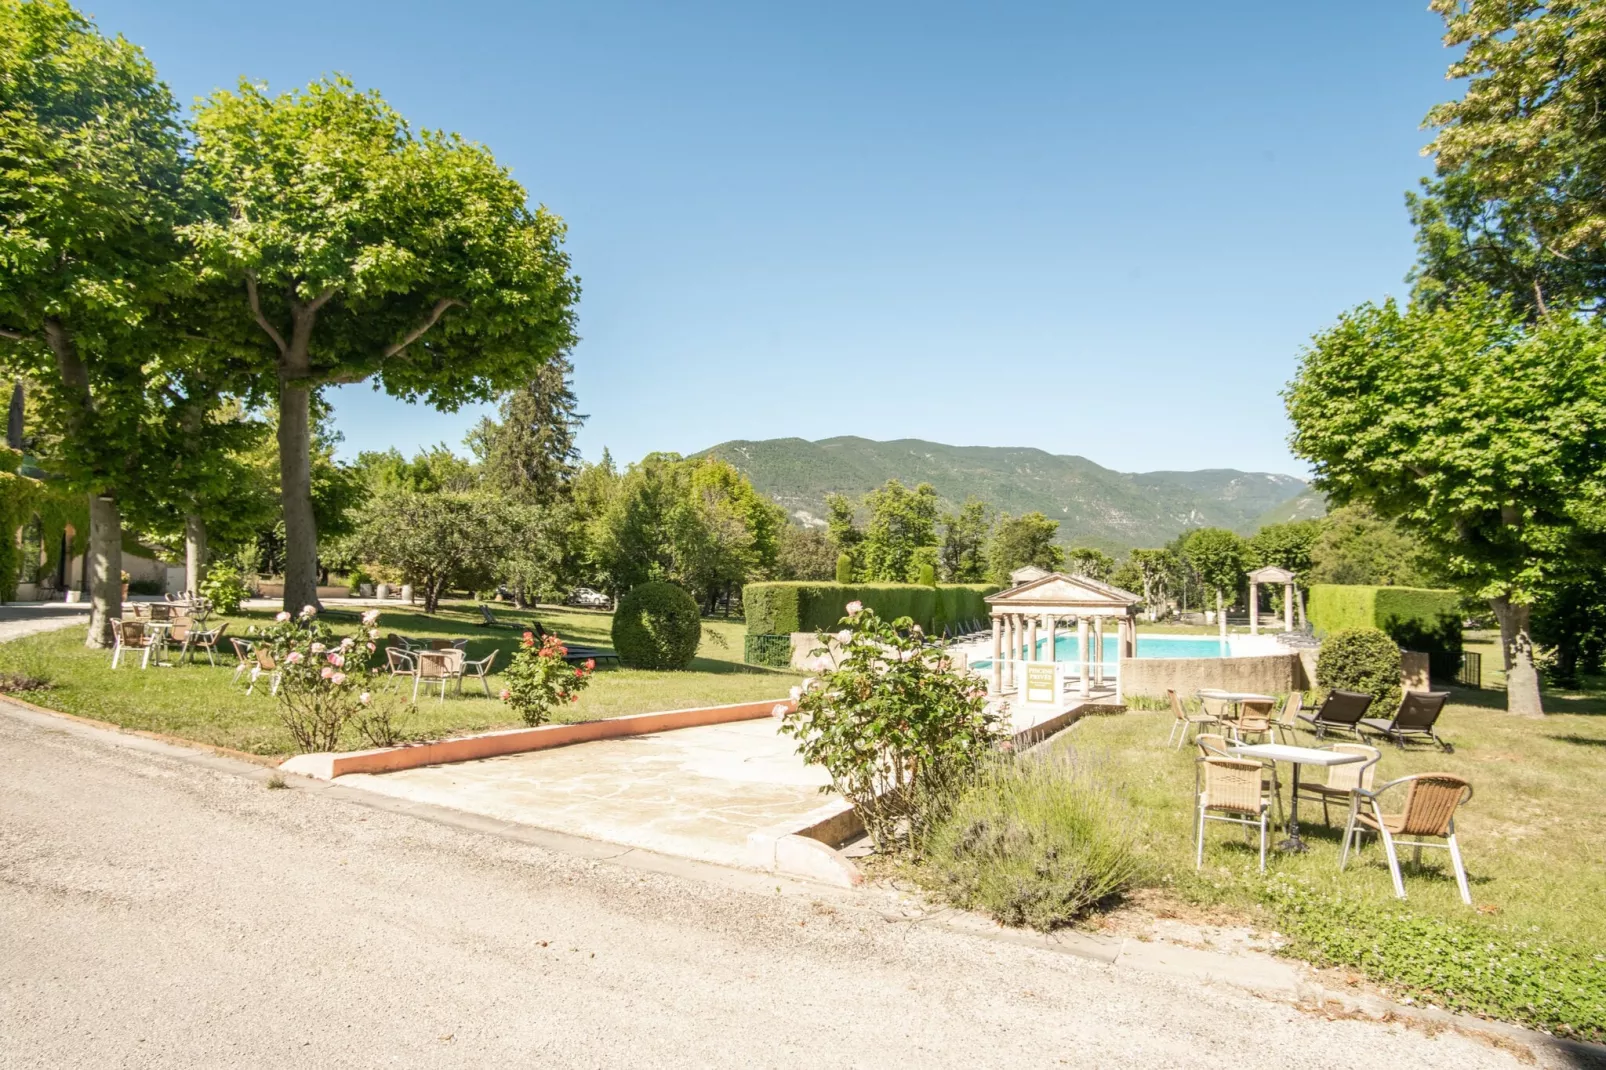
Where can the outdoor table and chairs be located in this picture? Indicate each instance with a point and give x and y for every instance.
(1296, 757)
(437, 666)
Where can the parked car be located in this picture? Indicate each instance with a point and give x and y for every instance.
(585, 596)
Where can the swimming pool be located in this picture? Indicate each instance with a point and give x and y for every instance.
(1149, 646)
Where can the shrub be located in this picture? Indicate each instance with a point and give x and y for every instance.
(844, 568)
(146, 587)
(928, 575)
(355, 581)
(1462, 965)
(321, 689)
(539, 678)
(1416, 618)
(1361, 659)
(224, 588)
(657, 626)
(1036, 841)
(893, 723)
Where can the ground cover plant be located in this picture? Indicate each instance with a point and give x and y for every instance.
(198, 703)
(1534, 948)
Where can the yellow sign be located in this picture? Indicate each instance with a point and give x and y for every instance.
(1040, 684)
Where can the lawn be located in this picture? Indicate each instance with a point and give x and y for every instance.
(198, 702)
(1533, 837)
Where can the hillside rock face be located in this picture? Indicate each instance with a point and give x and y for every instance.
(1095, 506)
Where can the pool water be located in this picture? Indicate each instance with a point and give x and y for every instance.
(1149, 646)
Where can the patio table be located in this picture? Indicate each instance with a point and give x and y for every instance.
(158, 630)
(1295, 756)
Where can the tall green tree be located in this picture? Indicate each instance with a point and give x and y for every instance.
(1020, 541)
(1356, 546)
(90, 193)
(903, 523)
(356, 248)
(1154, 572)
(1518, 205)
(964, 542)
(1217, 555)
(805, 554)
(1287, 545)
(529, 453)
(1480, 432)
(842, 527)
(438, 541)
(1093, 563)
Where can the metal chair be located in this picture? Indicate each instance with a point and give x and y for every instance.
(1187, 722)
(245, 658)
(1431, 800)
(1287, 722)
(1254, 719)
(1342, 780)
(480, 670)
(130, 635)
(1340, 711)
(264, 666)
(400, 663)
(1232, 787)
(1418, 713)
(438, 666)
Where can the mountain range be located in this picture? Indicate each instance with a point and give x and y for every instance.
(1096, 506)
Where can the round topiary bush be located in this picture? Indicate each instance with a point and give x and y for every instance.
(657, 626)
(1361, 659)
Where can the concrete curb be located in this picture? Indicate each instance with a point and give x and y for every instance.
(1260, 975)
(327, 766)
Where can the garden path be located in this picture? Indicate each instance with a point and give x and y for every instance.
(30, 618)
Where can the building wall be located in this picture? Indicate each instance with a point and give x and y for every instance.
(1269, 675)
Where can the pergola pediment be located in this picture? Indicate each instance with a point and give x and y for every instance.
(1062, 592)
(1271, 574)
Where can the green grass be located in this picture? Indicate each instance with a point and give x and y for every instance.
(198, 703)
(1534, 840)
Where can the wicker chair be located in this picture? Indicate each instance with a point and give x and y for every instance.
(1287, 722)
(400, 663)
(1233, 787)
(1254, 719)
(264, 666)
(244, 658)
(1216, 745)
(1342, 780)
(130, 635)
(1187, 722)
(480, 670)
(438, 666)
(207, 641)
(1431, 800)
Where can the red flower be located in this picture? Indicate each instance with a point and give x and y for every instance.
(591, 664)
(529, 636)
(574, 698)
(579, 674)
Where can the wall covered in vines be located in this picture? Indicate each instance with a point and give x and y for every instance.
(21, 499)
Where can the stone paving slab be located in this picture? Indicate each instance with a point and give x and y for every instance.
(694, 792)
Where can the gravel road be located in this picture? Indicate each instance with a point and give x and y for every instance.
(162, 912)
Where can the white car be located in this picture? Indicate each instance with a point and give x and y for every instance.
(585, 596)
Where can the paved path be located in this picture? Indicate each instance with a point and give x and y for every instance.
(172, 911)
(693, 792)
(29, 618)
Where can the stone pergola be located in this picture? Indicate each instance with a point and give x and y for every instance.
(1271, 574)
(1038, 602)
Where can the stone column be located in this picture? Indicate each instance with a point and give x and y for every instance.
(1031, 639)
(1012, 633)
(1288, 607)
(998, 654)
(1081, 653)
(1098, 646)
(1048, 626)
(1254, 608)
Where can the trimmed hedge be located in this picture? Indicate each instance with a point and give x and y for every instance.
(783, 607)
(657, 626)
(1416, 618)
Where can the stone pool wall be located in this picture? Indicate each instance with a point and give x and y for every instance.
(1268, 675)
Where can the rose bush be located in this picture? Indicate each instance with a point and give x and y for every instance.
(540, 679)
(324, 676)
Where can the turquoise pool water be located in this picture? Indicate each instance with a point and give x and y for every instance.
(1149, 646)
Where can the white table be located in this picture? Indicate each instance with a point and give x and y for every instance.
(1295, 756)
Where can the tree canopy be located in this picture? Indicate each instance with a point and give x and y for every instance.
(1480, 432)
(1020, 541)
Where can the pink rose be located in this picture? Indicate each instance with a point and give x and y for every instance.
(281, 616)
(373, 633)
(327, 672)
(797, 693)
(293, 658)
(506, 694)
(370, 617)
(365, 698)
(371, 648)
(780, 710)
(318, 648)
(854, 607)
(309, 611)
(347, 643)
(336, 660)
(844, 636)
(338, 678)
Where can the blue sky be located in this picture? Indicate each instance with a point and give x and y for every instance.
(1095, 229)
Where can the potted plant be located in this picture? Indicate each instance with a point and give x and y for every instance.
(125, 585)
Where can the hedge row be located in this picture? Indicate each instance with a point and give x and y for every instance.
(779, 608)
(1416, 618)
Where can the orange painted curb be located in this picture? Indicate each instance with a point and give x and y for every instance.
(521, 740)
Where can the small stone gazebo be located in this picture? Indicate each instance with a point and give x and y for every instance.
(1271, 574)
(1040, 601)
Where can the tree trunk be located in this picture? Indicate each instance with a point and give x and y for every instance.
(1221, 615)
(194, 552)
(14, 418)
(103, 564)
(1522, 678)
(295, 481)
